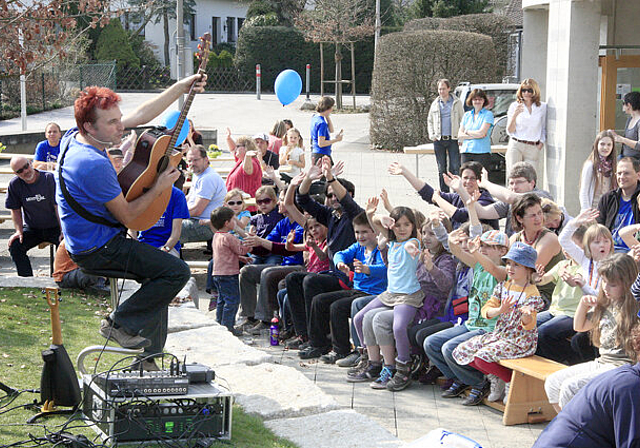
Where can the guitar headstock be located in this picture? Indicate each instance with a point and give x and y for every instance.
(204, 48)
(52, 295)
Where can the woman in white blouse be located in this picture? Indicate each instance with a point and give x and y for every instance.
(526, 125)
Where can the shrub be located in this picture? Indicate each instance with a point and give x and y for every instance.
(277, 48)
(493, 25)
(113, 43)
(269, 19)
(403, 85)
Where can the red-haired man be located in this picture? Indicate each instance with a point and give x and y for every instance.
(94, 214)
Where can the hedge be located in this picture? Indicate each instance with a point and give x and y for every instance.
(496, 26)
(403, 85)
(277, 48)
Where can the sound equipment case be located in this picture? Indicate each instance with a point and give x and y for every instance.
(203, 414)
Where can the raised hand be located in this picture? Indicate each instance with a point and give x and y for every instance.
(297, 180)
(484, 178)
(473, 245)
(635, 253)
(453, 181)
(586, 216)
(473, 198)
(326, 166)
(269, 172)
(396, 169)
(427, 259)
(291, 236)
(436, 217)
(338, 168)
(309, 240)
(315, 170)
(228, 132)
(507, 304)
(387, 222)
(372, 205)
(539, 272)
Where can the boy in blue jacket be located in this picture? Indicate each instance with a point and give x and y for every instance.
(364, 259)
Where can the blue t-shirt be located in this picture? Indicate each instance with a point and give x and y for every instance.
(279, 235)
(159, 233)
(623, 219)
(91, 180)
(401, 273)
(47, 153)
(320, 128)
(472, 122)
(373, 283)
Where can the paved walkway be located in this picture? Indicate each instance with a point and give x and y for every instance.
(408, 414)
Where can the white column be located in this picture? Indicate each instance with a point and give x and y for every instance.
(534, 45)
(571, 92)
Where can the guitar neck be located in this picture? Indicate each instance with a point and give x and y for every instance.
(54, 310)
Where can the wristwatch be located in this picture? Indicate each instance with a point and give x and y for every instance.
(166, 248)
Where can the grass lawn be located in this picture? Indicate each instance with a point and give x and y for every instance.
(25, 331)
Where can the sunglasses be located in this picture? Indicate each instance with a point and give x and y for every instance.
(25, 167)
(330, 195)
(235, 202)
(263, 201)
(526, 90)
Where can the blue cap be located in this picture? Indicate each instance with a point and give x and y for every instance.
(522, 254)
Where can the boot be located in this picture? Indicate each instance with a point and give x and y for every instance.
(362, 364)
(402, 377)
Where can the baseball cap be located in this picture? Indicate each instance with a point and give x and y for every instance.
(495, 238)
(261, 135)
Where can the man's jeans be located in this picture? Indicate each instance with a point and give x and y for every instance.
(442, 149)
(161, 275)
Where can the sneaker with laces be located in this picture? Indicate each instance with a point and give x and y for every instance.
(296, 343)
(362, 364)
(332, 357)
(313, 352)
(121, 337)
(497, 388)
(385, 376)
(455, 390)
(370, 373)
(148, 365)
(475, 397)
(351, 360)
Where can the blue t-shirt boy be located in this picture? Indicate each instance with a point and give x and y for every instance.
(279, 235)
(320, 128)
(159, 233)
(46, 153)
(373, 283)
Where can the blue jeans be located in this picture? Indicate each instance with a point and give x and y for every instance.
(228, 288)
(161, 275)
(439, 348)
(356, 306)
(285, 310)
(553, 332)
(442, 148)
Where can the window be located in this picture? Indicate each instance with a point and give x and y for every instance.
(231, 35)
(215, 31)
(240, 23)
(192, 27)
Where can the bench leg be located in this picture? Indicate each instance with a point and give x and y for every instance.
(527, 401)
(52, 255)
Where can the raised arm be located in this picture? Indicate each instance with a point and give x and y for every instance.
(397, 169)
(628, 235)
(456, 239)
(289, 201)
(497, 191)
(580, 321)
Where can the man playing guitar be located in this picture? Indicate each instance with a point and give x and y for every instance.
(95, 237)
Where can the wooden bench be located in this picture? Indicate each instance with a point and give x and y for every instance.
(196, 264)
(5, 217)
(8, 155)
(4, 187)
(527, 401)
(52, 254)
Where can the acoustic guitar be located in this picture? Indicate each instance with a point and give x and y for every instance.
(155, 151)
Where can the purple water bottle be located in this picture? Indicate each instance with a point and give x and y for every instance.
(274, 331)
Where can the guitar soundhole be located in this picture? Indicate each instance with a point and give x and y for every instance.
(162, 164)
(144, 190)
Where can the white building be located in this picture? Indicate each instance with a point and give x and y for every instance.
(222, 18)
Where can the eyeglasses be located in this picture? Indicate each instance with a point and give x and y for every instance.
(527, 90)
(236, 202)
(194, 160)
(24, 168)
(330, 195)
(263, 201)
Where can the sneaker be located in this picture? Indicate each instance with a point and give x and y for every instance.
(385, 376)
(236, 332)
(475, 397)
(313, 352)
(402, 378)
(258, 328)
(497, 388)
(506, 393)
(455, 390)
(121, 337)
(295, 343)
(362, 364)
(351, 360)
(286, 335)
(246, 324)
(369, 374)
(332, 357)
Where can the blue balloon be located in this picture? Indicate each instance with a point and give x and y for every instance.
(169, 120)
(288, 86)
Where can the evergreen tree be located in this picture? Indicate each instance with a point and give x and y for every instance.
(113, 43)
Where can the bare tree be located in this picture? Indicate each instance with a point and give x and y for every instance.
(337, 22)
(35, 32)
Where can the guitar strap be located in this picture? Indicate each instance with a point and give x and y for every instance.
(79, 209)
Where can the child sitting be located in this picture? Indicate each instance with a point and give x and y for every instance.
(610, 316)
(516, 302)
(234, 200)
(226, 251)
(293, 154)
(403, 296)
